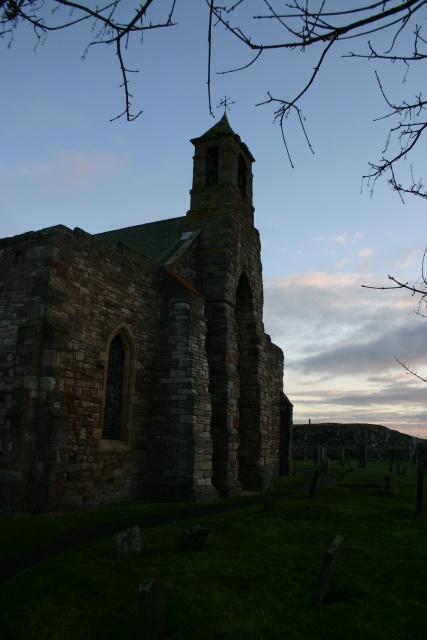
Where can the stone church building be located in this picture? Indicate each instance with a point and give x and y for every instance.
(134, 363)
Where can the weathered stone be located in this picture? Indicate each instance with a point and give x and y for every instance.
(325, 572)
(193, 539)
(362, 460)
(152, 609)
(127, 542)
(317, 480)
(127, 356)
(419, 509)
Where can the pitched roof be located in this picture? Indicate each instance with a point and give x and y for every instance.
(157, 240)
(222, 126)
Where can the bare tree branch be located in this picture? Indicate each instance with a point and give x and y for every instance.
(409, 370)
(303, 24)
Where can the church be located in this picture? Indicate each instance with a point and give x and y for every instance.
(134, 364)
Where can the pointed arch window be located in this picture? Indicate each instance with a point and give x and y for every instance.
(242, 175)
(114, 390)
(211, 166)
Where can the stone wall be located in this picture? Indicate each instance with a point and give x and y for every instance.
(243, 364)
(201, 385)
(71, 296)
(180, 446)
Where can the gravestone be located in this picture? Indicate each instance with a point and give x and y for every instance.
(342, 456)
(325, 572)
(390, 466)
(127, 542)
(317, 480)
(363, 458)
(151, 609)
(320, 455)
(193, 539)
(419, 509)
(388, 489)
(269, 504)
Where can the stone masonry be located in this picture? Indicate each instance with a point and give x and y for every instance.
(134, 363)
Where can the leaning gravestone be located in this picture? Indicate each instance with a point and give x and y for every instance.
(193, 539)
(152, 609)
(325, 572)
(127, 542)
(317, 480)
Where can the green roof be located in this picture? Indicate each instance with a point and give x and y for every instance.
(157, 240)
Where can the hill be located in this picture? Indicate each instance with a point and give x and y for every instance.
(379, 440)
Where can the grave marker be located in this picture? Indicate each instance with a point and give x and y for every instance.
(317, 480)
(127, 542)
(419, 509)
(325, 572)
(193, 539)
(152, 609)
(363, 458)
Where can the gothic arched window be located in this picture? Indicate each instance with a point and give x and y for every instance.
(114, 390)
(242, 175)
(211, 166)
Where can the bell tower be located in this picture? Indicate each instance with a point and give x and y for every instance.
(222, 173)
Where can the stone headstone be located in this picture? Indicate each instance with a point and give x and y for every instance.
(320, 455)
(317, 480)
(325, 572)
(269, 504)
(349, 465)
(127, 542)
(193, 539)
(362, 461)
(152, 609)
(391, 464)
(419, 509)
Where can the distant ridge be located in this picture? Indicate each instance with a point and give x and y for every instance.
(379, 439)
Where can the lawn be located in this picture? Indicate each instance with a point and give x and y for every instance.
(252, 580)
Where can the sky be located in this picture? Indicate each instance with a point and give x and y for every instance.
(324, 234)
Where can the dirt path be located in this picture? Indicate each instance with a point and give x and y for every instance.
(66, 540)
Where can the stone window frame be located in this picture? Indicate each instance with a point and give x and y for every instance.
(242, 175)
(212, 166)
(123, 331)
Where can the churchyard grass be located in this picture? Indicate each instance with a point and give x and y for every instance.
(252, 580)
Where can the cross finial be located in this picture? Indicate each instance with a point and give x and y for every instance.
(224, 103)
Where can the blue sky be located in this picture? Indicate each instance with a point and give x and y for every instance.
(63, 162)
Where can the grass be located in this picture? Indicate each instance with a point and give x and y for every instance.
(252, 580)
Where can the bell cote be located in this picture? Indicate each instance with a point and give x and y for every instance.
(222, 173)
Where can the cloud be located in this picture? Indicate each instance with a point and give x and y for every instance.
(340, 341)
(342, 263)
(71, 172)
(361, 355)
(366, 253)
(341, 239)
